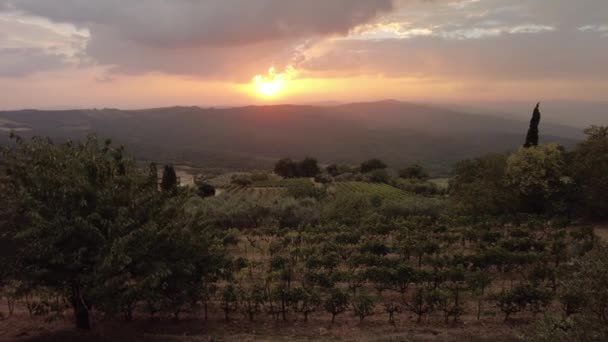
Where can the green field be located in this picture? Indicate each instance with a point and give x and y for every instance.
(370, 189)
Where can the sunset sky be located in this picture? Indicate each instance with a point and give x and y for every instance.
(146, 53)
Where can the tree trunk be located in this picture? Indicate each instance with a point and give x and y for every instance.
(81, 311)
(11, 305)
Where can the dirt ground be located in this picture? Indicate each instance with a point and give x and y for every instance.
(20, 327)
(601, 230)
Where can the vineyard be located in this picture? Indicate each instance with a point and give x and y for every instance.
(416, 274)
(237, 190)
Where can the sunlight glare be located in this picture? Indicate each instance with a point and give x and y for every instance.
(273, 83)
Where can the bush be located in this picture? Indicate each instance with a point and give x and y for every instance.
(323, 178)
(205, 190)
(379, 176)
(260, 177)
(241, 179)
(414, 171)
(416, 186)
(371, 165)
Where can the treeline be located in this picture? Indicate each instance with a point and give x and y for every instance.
(413, 178)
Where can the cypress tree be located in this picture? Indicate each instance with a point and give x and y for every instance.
(169, 181)
(532, 136)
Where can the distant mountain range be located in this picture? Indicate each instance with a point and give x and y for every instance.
(255, 136)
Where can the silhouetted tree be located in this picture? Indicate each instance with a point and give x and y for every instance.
(532, 136)
(371, 165)
(286, 168)
(308, 168)
(169, 181)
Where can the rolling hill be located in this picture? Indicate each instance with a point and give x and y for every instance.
(255, 136)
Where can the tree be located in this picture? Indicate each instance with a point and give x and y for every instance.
(371, 165)
(73, 201)
(414, 171)
(590, 169)
(94, 228)
(521, 297)
(532, 136)
(229, 301)
(251, 300)
(422, 303)
(286, 168)
(479, 186)
(363, 306)
(205, 189)
(538, 176)
(308, 168)
(169, 181)
(336, 303)
(305, 301)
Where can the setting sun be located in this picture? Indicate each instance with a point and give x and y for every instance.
(273, 83)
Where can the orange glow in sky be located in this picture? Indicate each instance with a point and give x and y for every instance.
(273, 84)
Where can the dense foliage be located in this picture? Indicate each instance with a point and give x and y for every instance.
(90, 226)
(291, 169)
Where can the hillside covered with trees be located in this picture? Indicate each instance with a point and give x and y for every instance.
(254, 137)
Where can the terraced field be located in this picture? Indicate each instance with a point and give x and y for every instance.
(238, 190)
(274, 187)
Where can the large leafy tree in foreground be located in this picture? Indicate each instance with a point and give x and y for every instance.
(74, 199)
(91, 226)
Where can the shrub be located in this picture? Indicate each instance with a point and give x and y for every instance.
(241, 179)
(414, 171)
(371, 165)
